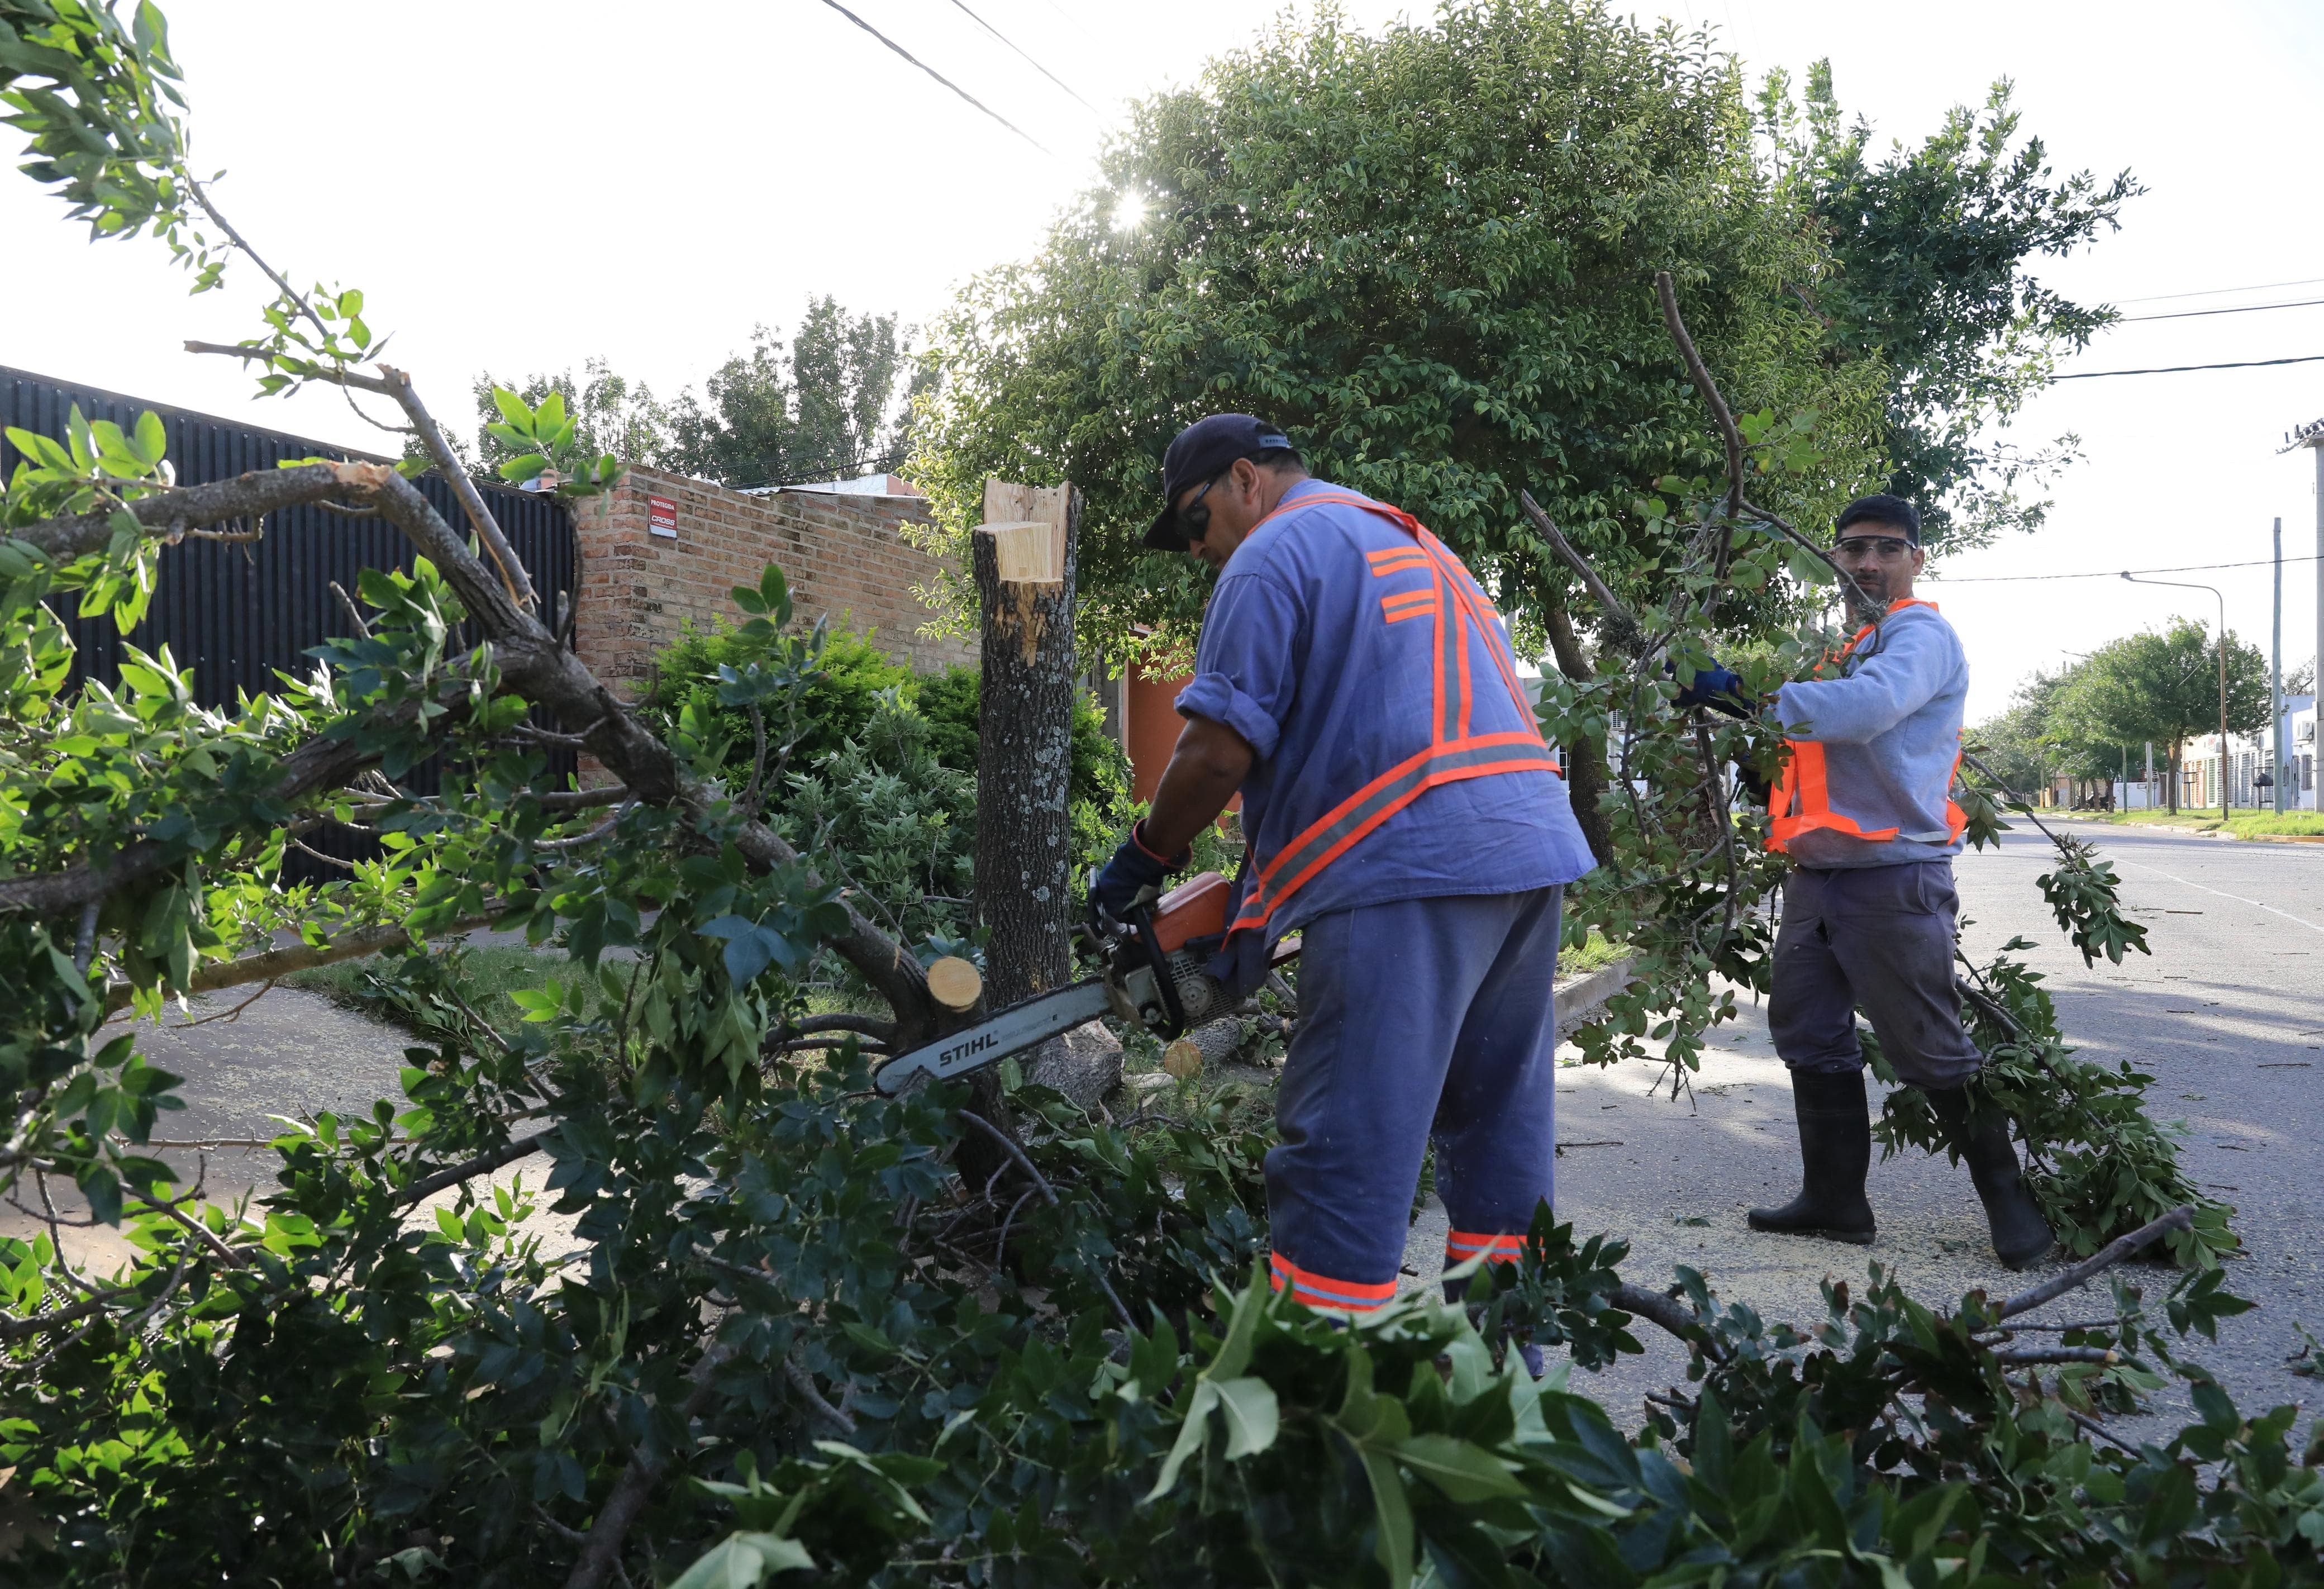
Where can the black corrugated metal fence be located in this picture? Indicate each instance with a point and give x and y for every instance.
(238, 613)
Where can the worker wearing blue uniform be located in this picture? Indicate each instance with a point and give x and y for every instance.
(1356, 685)
(1864, 811)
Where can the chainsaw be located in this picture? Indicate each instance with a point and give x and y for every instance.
(1151, 976)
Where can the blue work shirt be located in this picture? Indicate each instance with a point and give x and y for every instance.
(1320, 648)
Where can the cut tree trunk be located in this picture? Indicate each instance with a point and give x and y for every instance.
(1022, 558)
(1024, 569)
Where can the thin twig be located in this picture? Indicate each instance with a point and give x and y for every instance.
(1001, 1247)
(2092, 1425)
(1050, 1194)
(2178, 1219)
(264, 988)
(362, 624)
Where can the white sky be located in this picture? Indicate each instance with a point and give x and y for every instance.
(516, 189)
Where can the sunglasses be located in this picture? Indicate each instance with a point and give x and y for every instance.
(1885, 547)
(1195, 518)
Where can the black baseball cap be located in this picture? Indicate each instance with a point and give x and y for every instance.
(1204, 448)
(1880, 508)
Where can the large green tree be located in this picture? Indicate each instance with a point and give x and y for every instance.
(1429, 254)
(2164, 686)
(1933, 251)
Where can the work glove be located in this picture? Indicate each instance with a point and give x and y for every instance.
(1719, 689)
(1133, 870)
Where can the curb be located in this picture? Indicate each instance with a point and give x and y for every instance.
(2248, 838)
(1580, 998)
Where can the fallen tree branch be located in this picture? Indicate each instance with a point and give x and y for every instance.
(1657, 1308)
(601, 1556)
(2178, 1219)
(272, 964)
(468, 1169)
(2027, 1357)
(75, 535)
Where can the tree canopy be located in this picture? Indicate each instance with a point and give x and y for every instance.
(1429, 254)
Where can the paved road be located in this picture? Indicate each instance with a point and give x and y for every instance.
(2225, 1015)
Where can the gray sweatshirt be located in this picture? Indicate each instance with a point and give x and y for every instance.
(1891, 732)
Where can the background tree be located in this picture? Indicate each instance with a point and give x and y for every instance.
(1931, 249)
(610, 413)
(2164, 686)
(834, 406)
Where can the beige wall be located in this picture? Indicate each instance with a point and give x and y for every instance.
(844, 555)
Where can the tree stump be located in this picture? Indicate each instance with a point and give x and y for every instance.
(1024, 570)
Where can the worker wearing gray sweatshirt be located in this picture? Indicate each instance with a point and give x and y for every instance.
(1864, 809)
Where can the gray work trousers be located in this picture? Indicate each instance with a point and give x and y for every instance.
(1879, 939)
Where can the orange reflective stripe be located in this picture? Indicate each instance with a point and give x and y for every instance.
(1319, 1291)
(1298, 863)
(1459, 1246)
(1455, 600)
(1803, 781)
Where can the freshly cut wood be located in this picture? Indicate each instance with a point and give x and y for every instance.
(1024, 552)
(1006, 502)
(1214, 1043)
(955, 983)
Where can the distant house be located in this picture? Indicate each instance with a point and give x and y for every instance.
(2202, 773)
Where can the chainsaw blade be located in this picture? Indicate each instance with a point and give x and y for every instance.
(1012, 1032)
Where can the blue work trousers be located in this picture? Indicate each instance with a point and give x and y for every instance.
(1418, 1018)
(1879, 939)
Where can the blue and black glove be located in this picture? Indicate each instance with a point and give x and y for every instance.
(1133, 870)
(1719, 689)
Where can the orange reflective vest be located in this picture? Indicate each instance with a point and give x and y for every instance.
(1802, 799)
(1465, 619)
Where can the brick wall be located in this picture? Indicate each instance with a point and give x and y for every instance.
(844, 555)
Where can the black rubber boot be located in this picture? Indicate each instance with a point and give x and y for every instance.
(1835, 1154)
(2020, 1236)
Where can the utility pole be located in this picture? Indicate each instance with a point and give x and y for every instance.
(2311, 437)
(2227, 784)
(2275, 745)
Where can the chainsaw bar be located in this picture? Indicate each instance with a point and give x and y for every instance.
(1012, 1032)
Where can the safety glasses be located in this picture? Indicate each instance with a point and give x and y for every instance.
(1887, 548)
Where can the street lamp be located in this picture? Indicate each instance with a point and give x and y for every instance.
(2183, 585)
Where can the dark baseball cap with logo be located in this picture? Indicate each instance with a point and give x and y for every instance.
(1206, 448)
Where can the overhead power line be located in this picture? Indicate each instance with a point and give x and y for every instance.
(2223, 292)
(939, 76)
(2238, 309)
(2248, 364)
(1028, 61)
(2109, 573)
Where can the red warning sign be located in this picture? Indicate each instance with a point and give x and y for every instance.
(661, 516)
